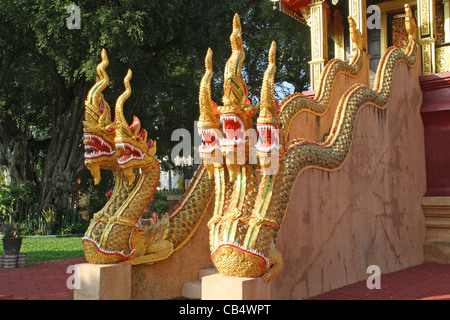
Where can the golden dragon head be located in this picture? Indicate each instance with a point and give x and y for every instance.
(236, 114)
(99, 130)
(136, 151)
(410, 23)
(268, 124)
(208, 124)
(356, 36)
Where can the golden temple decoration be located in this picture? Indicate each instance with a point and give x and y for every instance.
(443, 59)
(440, 24)
(426, 32)
(442, 49)
(319, 40)
(410, 24)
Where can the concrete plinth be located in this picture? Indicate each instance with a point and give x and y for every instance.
(103, 282)
(220, 287)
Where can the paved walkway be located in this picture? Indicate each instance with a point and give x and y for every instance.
(48, 281)
(428, 281)
(45, 281)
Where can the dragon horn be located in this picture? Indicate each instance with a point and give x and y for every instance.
(94, 96)
(105, 118)
(234, 86)
(205, 101)
(120, 118)
(268, 102)
(352, 27)
(236, 38)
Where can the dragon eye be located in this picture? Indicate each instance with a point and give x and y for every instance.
(110, 130)
(138, 139)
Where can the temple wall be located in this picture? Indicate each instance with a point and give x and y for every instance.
(368, 212)
(315, 128)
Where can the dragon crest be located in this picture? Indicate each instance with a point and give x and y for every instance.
(135, 148)
(410, 23)
(99, 130)
(355, 34)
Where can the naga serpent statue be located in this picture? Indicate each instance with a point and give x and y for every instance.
(249, 211)
(114, 234)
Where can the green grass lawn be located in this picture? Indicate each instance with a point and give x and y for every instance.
(52, 248)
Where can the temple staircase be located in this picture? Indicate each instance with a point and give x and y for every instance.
(193, 289)
(437, 222)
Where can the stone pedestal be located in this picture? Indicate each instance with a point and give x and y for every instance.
(103, 282)
(220, 287)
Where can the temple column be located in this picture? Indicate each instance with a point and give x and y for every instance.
(319, 40)
(426, 25)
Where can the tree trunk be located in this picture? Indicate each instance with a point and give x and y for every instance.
(15, 156)
(64, 160)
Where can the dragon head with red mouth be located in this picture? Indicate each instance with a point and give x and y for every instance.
(268, 124)
(208, 124)
(225, 128)
(136, 150)
(99, 130)
(236, 113)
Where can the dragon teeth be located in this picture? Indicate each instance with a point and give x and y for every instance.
(107, 251)
(124, 146)
(98, 140)
(232, 117)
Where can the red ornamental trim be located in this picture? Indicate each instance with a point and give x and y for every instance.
(124, 257)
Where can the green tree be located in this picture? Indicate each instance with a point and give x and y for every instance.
(46, 70)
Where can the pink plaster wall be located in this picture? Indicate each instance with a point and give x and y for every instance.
(368, 212)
